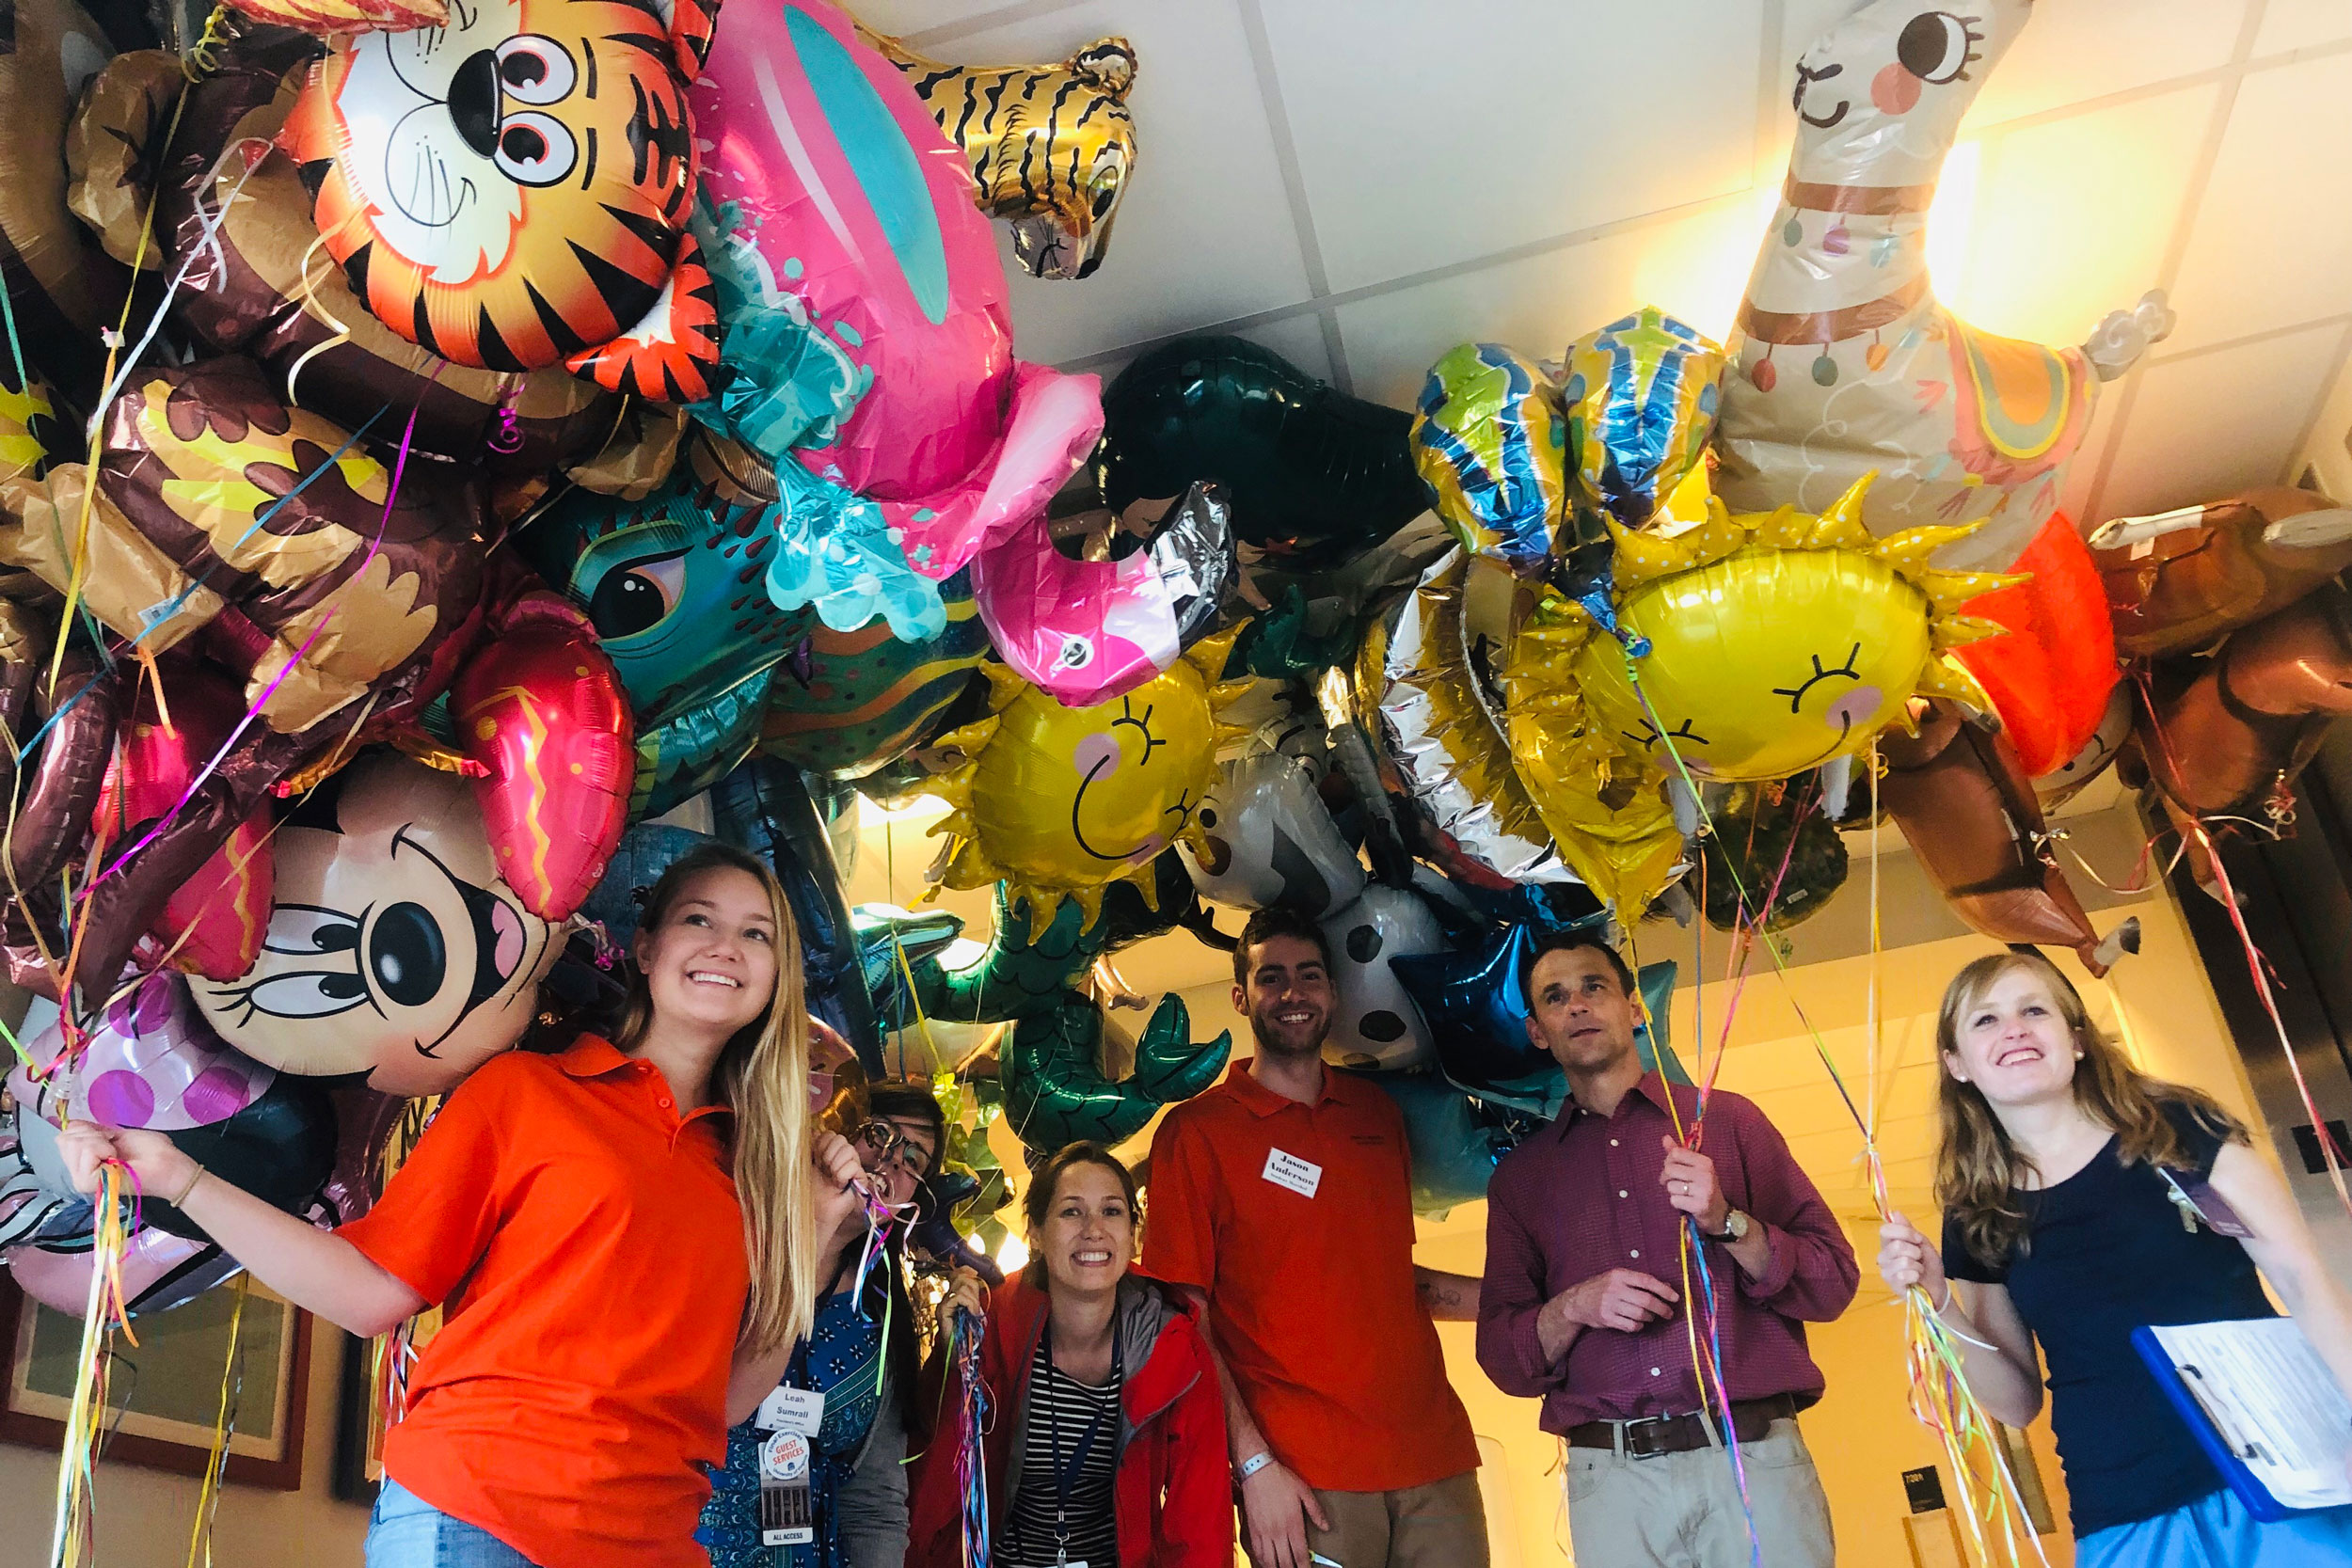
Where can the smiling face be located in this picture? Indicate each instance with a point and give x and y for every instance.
(710, 965)
(1079, 797)
(1088, 1237)
(394, 949)
(1886, 89)
(1764, 664)
(1286, 994)
(1580, 1011)
(2014, 1041)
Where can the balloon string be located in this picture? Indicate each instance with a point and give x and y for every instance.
(1950, 1409)
(73, 1538)
(118, 368)
(223, 1425)
(392, 499)
(972, 1422)
(2256, 965)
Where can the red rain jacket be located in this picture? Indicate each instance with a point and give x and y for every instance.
(1173, 1497)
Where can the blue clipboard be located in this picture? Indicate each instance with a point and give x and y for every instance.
(2249, 1487)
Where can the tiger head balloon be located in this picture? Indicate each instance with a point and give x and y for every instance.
(509, 191)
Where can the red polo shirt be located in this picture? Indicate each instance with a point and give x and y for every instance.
(1310, 1298)
(585, 1241)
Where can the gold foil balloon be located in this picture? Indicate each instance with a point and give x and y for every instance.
(1746, 648)
(1063, 802)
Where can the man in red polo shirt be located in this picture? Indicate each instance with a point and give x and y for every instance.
(1581, 1309)
(1282, 1198)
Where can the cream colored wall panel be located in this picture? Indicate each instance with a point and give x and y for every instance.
(1430, 134)
(2275, 227)
(2204, 426)
(2328, 453)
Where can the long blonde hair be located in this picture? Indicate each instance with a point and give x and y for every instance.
(1980, 1172)
(762, 1073)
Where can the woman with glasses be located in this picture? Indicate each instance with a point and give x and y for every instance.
(1107, 1447)
(828, 1447)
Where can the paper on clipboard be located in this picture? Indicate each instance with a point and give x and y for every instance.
(2272, 1401)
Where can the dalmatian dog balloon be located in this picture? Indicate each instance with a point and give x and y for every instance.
(1375, 1022)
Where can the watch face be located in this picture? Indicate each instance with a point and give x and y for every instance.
(1735, 1225)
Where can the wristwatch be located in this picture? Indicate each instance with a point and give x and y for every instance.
(1735, 1225)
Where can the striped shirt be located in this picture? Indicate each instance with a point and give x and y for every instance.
(1062, 1514)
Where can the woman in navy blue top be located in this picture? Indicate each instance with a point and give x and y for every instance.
(2083, 1199)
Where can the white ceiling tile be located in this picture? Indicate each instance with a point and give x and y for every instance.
(2210, 424)
(2070, 218)
(2076, 50)
(2275, 229)
(1205, 232)
(1693, 268)
(1428, 134)
(2299, 24)
(2082, 475)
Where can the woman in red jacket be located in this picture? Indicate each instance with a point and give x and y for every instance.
(1108, 1447)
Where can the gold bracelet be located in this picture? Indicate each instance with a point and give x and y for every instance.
(182, 1200)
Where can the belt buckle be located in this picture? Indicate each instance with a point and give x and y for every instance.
(1625, 1434)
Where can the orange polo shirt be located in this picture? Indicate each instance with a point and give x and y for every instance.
(585, 1241)
(1310, 1298)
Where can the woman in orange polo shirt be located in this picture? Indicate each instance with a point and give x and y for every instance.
(620, 1235)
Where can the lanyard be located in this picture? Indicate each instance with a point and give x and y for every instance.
(1066, 1479)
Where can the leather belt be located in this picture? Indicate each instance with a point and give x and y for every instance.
(1653, 1435)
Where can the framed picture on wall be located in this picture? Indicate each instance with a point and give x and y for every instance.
(166, 1389)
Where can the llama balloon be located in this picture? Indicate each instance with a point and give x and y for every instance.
(865, 316)
(1845, 360)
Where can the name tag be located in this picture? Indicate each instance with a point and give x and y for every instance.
(2197, 1201)
(1288, 1170)
(790, 1409)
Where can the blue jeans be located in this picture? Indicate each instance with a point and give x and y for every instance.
(2215, 1532)
(405, 1531)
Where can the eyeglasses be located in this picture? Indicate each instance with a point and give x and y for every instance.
(878, 1142)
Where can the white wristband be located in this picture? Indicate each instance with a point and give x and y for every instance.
(1251, 1465)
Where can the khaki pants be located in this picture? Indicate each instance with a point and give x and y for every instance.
(1442, 1525)
(1683, 1509)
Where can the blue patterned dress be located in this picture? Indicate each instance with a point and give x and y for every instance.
(842, 1357)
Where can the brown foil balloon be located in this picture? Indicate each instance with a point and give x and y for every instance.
(2251, 718)
(114, 133)
(220, 511)
(2177, 581)
(1970, 817)
(61, 287)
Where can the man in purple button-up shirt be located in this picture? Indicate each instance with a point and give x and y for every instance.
(1583, 1306)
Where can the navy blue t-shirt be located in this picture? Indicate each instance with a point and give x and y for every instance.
(2107, 1253)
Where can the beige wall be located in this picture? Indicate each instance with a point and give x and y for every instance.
(143, 1515)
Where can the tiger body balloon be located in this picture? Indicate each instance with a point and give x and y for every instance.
(510, 191)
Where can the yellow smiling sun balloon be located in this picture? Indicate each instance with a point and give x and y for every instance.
(1778, 641)
(1063, 802)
